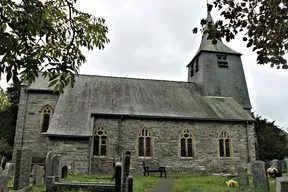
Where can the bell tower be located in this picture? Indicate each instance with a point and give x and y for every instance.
(218, 71)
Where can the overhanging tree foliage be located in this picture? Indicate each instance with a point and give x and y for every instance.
(8, 119)
(4, 100)
(47, 36)
(264, 24)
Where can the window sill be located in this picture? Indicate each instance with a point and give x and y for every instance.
(144, 157)
(99, 157)
(224, 158)
(187, 158)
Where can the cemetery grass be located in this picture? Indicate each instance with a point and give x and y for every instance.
(141, 184)
(202, 183)
(183, 183)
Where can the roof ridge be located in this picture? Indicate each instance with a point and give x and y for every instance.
(134, 78)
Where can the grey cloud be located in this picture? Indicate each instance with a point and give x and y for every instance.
(154, 39)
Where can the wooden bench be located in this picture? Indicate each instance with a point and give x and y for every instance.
(153, 167)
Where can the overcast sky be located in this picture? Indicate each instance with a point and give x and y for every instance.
(154, 39)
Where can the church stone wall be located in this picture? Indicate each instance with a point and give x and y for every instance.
(29, 118)
(74, 151)
(166, 150)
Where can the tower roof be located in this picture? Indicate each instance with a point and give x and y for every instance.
(207, 45)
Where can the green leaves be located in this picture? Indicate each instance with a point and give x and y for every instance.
(4, 100)
(47, 36)
(265, 25)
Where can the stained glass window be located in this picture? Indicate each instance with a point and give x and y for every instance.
(141, 146)
(100, 142)
(186, 144)
(46, 113)
(144, 143)
(224, 144)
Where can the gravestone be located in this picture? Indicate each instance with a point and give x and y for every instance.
(48, 164)
(260, 180)
(118, 176)
(0, 158)
(130, 183)
(22, 168)
(50, 180)
(3, 162)
(126, 168)
(56, 167)
(282, 166)
(243, 177)
(4, 179)
(9, 169)
(286, 160)
(1, 171)
(38, 173)
(281, 184)
(274, 163)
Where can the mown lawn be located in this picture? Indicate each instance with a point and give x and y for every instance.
(141, 184)
(198, 183)
(183, 183)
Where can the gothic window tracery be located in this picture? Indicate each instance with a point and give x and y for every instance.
(224, 144)
(186, 144)
(100, 142)
(145, 143)
(46, 114)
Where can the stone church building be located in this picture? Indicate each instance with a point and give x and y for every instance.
(203, 124)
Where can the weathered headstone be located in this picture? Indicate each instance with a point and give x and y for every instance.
(126, 168)
(48, 164)
(118, 176)
(3, 162)
(1, 171)
(260, 180)
(22, 168)
(56, 167)
(4, 179)
(286, 160)
(50, 180)
(274, 163)
(281, 184)
(130, 183)
(38, 173)
(243, 177)
(9, 169)
(282, 166)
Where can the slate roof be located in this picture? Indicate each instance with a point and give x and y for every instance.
(207, 45)
(142, 98)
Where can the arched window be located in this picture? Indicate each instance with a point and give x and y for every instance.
(100, 142)
(145, 143)
(186, 144)
(46, 114)
(224, 144)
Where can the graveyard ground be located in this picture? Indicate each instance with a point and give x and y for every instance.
(183, 183)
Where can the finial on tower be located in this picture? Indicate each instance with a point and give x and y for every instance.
(209, 17)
